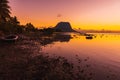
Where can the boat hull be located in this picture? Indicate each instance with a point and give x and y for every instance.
(89, 37)
(10, 38)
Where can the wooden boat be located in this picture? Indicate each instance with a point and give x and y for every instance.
(10, 38)
(89, 37)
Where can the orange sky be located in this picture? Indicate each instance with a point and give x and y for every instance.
(84, 14)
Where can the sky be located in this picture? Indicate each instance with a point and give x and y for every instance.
(82, 14)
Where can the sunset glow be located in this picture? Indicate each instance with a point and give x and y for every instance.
(84, 14)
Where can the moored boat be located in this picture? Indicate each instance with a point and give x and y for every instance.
(89, 37)
(9, 38)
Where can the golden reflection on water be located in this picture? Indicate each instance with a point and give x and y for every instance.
(104, 45)
(101, 44)
(103, 50)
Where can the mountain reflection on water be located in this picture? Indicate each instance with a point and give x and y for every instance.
(102, 52)
(57, 37)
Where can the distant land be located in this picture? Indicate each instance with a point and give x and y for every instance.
(66, 27)
(98, 31)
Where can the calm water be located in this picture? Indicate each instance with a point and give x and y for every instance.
(102, 52)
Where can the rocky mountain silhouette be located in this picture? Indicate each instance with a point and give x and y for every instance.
(64, 27)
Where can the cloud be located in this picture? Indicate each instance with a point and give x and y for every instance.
(59, 15)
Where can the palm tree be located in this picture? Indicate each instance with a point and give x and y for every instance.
(4, 11)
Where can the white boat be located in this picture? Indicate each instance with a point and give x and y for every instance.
(9, 38)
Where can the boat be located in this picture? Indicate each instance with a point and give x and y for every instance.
(9, 38)
(89, 37)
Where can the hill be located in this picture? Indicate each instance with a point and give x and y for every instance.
(64, 26)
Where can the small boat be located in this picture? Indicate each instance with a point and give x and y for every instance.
(9, 38)
(89, 37)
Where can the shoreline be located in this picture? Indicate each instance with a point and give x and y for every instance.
(17, 61)
(25, 56)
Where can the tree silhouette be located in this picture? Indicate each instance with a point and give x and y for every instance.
(14, 21)
(4, 11)
(29, 27)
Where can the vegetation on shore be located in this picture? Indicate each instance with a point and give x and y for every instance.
(11, 25)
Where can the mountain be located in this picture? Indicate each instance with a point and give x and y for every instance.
(64, 26)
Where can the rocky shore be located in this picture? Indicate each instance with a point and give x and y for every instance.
(23, 60)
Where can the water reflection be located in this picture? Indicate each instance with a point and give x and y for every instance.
(66, 37)
(57, 37)
(62, 38)
(103, 52)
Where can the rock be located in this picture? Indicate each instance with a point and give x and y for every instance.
(64, 26)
